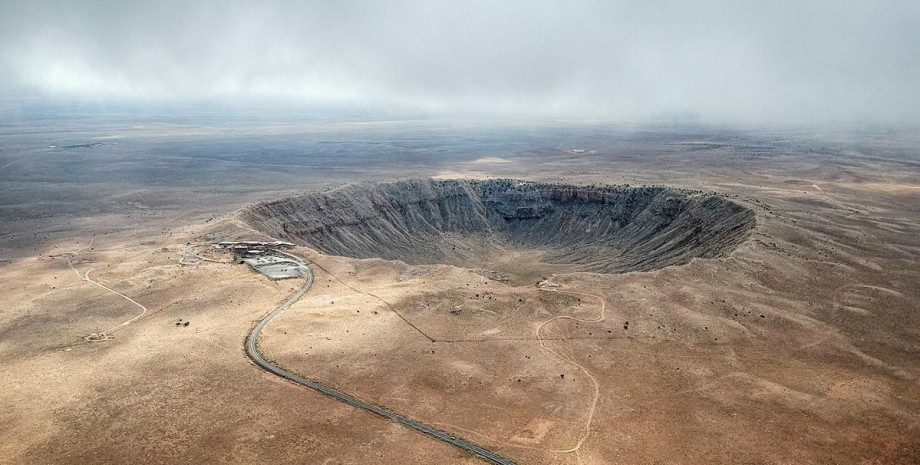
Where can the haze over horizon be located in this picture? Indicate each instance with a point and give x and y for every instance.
(815, 61)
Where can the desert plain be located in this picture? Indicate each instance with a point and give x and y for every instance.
(796, 341)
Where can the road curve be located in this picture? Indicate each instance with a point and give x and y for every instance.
(252, 350)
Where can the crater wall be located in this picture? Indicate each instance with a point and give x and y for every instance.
(609, 229)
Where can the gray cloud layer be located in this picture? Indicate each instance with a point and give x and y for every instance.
(728, 60)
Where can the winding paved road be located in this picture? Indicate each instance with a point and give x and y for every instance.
(252, 350)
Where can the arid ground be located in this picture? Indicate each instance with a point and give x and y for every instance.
(799, 344)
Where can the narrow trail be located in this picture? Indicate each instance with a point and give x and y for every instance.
(16, 161)
(601, 317)
(589, 419)
(181, 215)
(376, 297)
(543, 345)
(85, 277)
(836, 305)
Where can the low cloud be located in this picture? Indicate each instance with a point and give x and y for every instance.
(748, 61)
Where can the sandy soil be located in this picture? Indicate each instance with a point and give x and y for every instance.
(799, 347)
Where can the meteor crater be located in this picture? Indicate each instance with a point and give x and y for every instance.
(475, 224)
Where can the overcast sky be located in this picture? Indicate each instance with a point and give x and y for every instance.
(724, 60)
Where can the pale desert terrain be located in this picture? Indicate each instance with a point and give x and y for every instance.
(799, 342)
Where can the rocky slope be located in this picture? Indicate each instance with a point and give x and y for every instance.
(608, 229)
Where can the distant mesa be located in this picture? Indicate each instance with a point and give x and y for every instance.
(606, 229)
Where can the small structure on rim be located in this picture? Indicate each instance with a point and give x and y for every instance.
(248, 248)
(266, 258)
